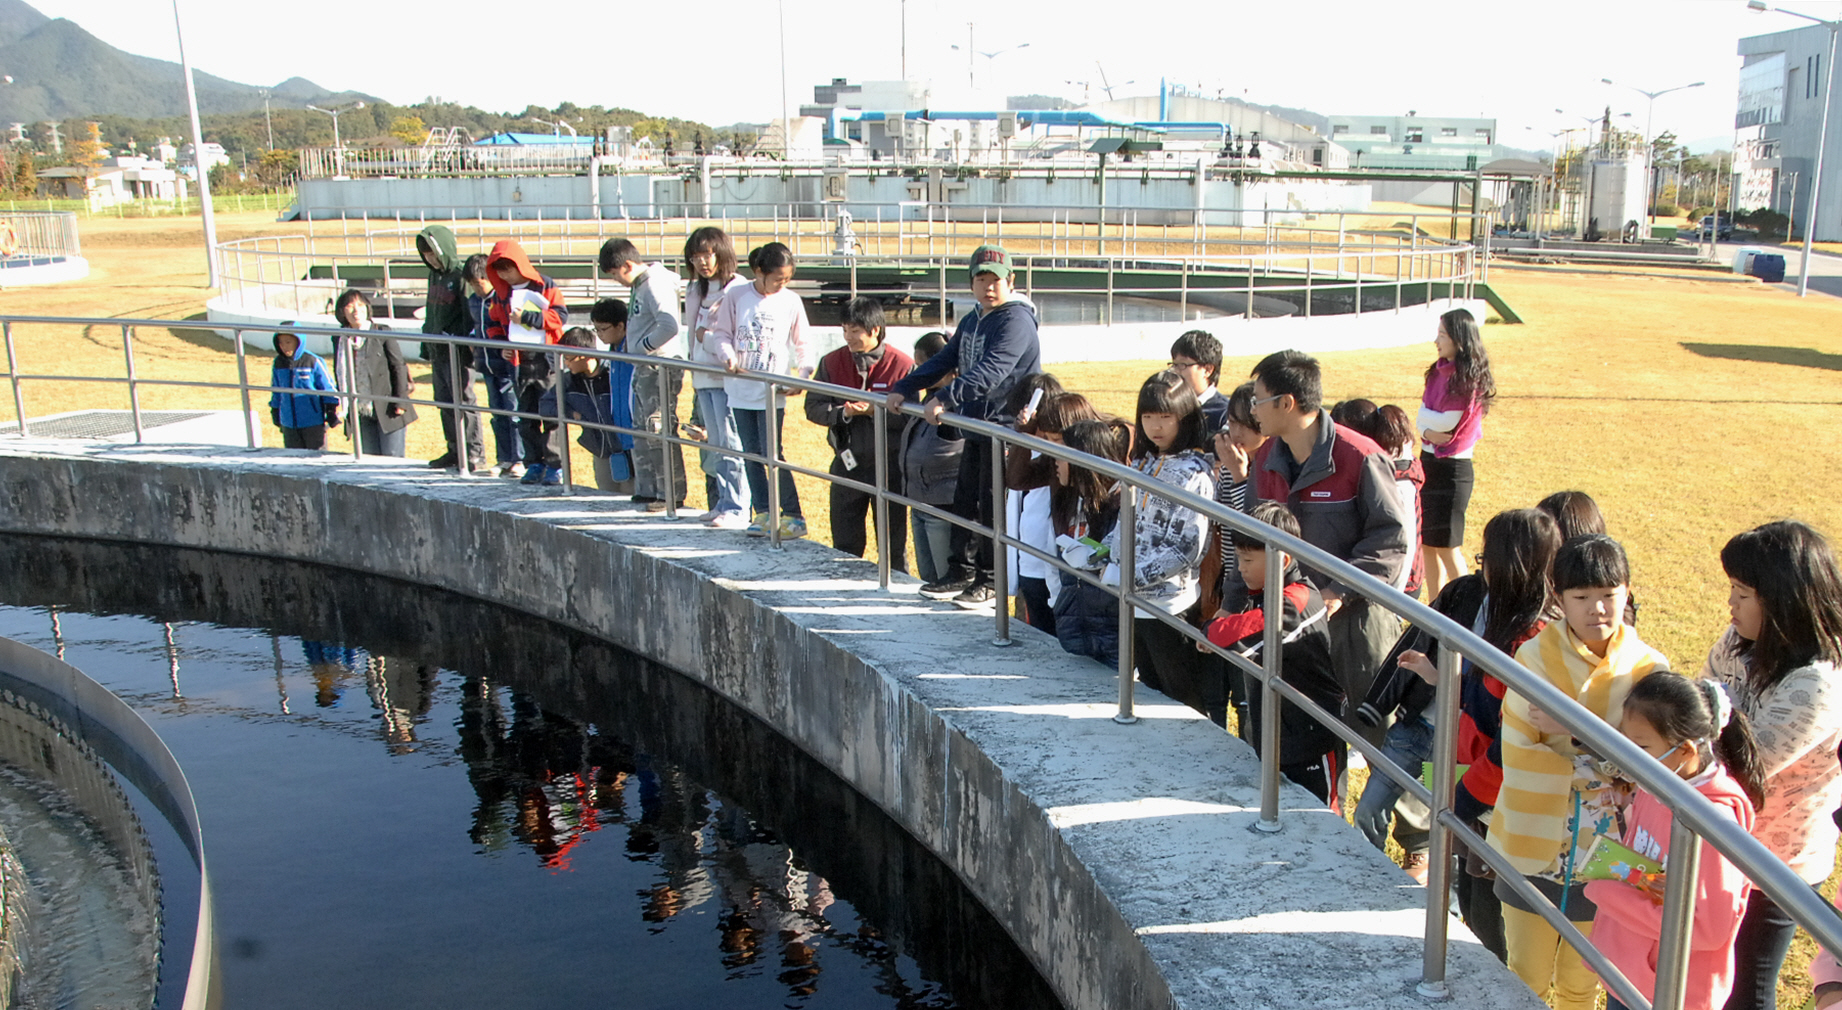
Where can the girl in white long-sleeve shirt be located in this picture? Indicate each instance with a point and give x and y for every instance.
(762, 327)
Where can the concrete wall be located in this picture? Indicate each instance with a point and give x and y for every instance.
(1121, 859)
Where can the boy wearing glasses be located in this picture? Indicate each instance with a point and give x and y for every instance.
(1197, 356)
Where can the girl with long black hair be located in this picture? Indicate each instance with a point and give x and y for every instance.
(1459, 390)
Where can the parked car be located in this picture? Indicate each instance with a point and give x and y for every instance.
(1725, 230)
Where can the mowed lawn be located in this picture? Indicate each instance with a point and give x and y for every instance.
(1691, 409)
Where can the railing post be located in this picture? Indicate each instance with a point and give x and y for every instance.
(1000, 557)
(1439, 848)
(943, 285)
(562, 424)
(461, 448)
(1682, 872)
(1128, 562)
(1308, 272)
(344, 351)
(1183, 292)
(1109, 291)
(134, 391)
(249, 420)
(879, 413)
(668, 409)
(12, 371)
(1270, 650)
(772, 441)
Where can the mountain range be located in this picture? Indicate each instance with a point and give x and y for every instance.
(59, 71)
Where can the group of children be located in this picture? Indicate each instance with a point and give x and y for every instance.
(1553, 590)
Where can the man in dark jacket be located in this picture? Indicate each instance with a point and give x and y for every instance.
(1340, 485)
(445, 313)
(866, 362)
(992, 349)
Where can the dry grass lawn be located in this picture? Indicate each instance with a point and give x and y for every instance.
(1690, 408)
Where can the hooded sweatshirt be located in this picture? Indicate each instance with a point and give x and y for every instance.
(993, 349)
(652, 313)
(1628, 925)
(445, 306)
(497, 303)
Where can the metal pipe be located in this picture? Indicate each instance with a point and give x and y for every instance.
(12, 371)
(1000, 554)
(1271, 647)
(562, 425)
(1682, 875)
(249, 419)
(770, 424)
(460, 417)
(344, 352)
(134, 390)
(879, 414)
(1439, 849)
(1128, 550)
(668, 409)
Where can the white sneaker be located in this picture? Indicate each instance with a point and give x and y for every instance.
(727, 521)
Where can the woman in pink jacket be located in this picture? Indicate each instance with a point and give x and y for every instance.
(1691, 727)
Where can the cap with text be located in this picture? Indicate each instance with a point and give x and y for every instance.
(990, 259)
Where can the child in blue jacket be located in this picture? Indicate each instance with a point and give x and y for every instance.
(302, 418)
(598, 391)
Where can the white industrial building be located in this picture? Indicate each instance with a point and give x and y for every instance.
(1782, 86)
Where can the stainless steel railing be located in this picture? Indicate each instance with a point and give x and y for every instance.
(1696, 820)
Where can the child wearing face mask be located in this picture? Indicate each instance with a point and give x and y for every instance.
(1548, 800)
(1691, 727)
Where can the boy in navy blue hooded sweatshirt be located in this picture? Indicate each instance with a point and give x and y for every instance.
(992, 349)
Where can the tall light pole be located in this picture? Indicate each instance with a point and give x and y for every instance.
(786, 124)
(338, 145)
(198, 156)
(1822, 138)
(972, 55)
(1649, 154)
(268, 123)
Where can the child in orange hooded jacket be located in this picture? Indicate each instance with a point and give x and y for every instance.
(509, 312)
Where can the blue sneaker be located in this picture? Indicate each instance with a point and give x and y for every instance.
(553, 476)
(533, 475)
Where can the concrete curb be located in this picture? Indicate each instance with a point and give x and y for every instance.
(1122, 860)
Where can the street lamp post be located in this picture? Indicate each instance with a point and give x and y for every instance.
(267, 122)
(198, 156)
(338, 144)
(972, 55)
(1649, 154)
(1822, 138)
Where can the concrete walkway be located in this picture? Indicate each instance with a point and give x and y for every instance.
(1122, 859)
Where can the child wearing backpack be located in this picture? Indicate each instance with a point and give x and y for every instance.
(1692, 728)
(1087, 616)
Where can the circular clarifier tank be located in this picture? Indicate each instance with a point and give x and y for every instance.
(416, 799)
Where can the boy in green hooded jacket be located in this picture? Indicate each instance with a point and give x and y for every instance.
(445, 312)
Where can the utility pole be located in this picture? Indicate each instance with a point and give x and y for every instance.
(266, 121)
(198, 155)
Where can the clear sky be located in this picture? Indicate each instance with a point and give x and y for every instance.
(719, 62)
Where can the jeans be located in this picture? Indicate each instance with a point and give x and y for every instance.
(441, 373)
(1758, 953)
(933, 543)
(751, 425)
(374, 441)
(972, 499)
(654, 413)
(304, 438)
(1409, 743)
(535, 374)
(502, 394)
(732, 492)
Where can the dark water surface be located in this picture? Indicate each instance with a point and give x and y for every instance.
(414, 799)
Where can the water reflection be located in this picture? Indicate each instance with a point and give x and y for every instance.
(501, 790)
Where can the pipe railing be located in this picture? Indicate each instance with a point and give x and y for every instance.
(1696, 819)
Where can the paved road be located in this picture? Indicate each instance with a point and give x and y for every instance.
(1825, 269)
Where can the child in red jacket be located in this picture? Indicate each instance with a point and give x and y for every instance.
(526, 309)
(1691, 727)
